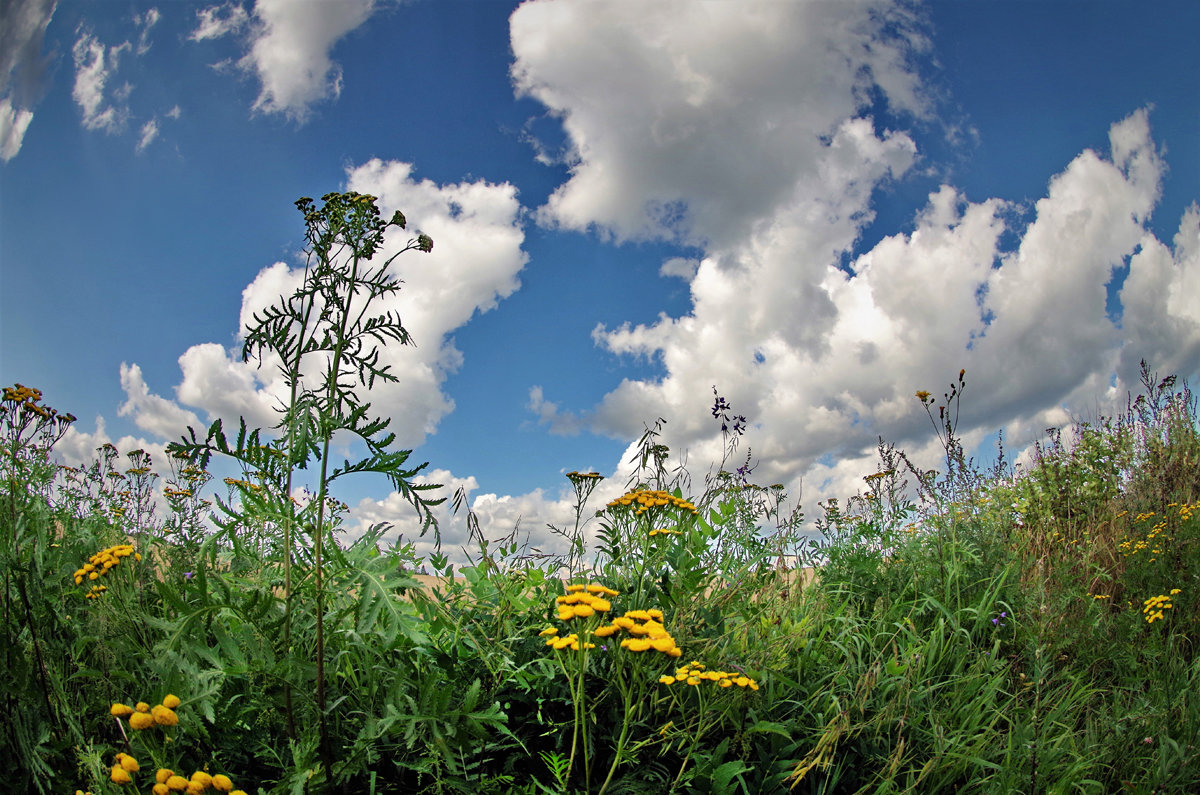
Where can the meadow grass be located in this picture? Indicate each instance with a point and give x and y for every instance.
(973, 629)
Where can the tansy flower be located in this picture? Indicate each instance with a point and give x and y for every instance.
(120, 775)
(140, 721)
(221, 783)
(163, 774)
(177, 783)
(166, 717)
(202, 778)
(121, 710)
(142, 706)
(171, 701)
(128, 762)
(548, 632)
(161, 789)
(606, 630)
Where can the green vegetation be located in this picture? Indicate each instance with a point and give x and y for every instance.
(968, 630)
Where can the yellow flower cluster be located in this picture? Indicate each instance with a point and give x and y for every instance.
(166, 781)
(245, 484)
(1153, 607)
(665, 531)
(584, 601)
(143, 716)
(104, 561)
(642, 500)
(176, 493)
(694, 674)
(565, 642)
(646, 631)
(123, 766)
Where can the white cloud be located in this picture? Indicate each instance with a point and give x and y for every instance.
(151, 412)
(95, 64)
(474, 264)
(146, 22)
(22, 67)
(148, 134)
(217, 21)
(288, 47)
(698, 120)
(13, 123)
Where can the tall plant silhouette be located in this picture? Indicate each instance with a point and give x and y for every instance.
(325, 339)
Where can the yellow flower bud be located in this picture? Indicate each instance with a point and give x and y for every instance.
(119, 775)
(171, 701)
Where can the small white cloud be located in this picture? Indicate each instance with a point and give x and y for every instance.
(217, 21)
(148, 134)
(173, 113)
(94, 66)
(145, 22)
(680, 267)
(13, 123)
(288, 48)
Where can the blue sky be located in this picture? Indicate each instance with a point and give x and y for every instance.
(817, 207)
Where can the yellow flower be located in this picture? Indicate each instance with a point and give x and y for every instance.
(566, 614)
(575, 587)
(238, 792)
(128, 762)
(120, 775)
(547, 632)
(583, 611)
(194, 788)
(725, 682)
(142, 706)
(177, 783)
(692, 680)
(663, 644)
(171, 701)
(221, 783)
(140, 720)
(666, 680)
(161, 789)
(164, 716)
(606, 630)
(121, 710)
(202, 778)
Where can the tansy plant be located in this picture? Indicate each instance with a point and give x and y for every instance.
(141, 719)
(584, 609)
(325, 340)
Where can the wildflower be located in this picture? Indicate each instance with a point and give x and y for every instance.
(142, 706)
(221, 783)
(164, 717)
(128, 762)
(120, 775)
(170, 701)
(120, 710)
(202, 778)
(548, 632)
(161, 789)
(605, 630)
(140, 721)
(163, 774)
(177, 783)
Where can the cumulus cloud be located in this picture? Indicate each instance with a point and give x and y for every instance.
(700, 120)
(22, 67)
(748, 131)
(151, 412)
(288, 48)
(474, 265)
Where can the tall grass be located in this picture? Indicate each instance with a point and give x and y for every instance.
(974, 629)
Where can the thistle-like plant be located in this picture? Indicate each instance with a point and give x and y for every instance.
(325, 339)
